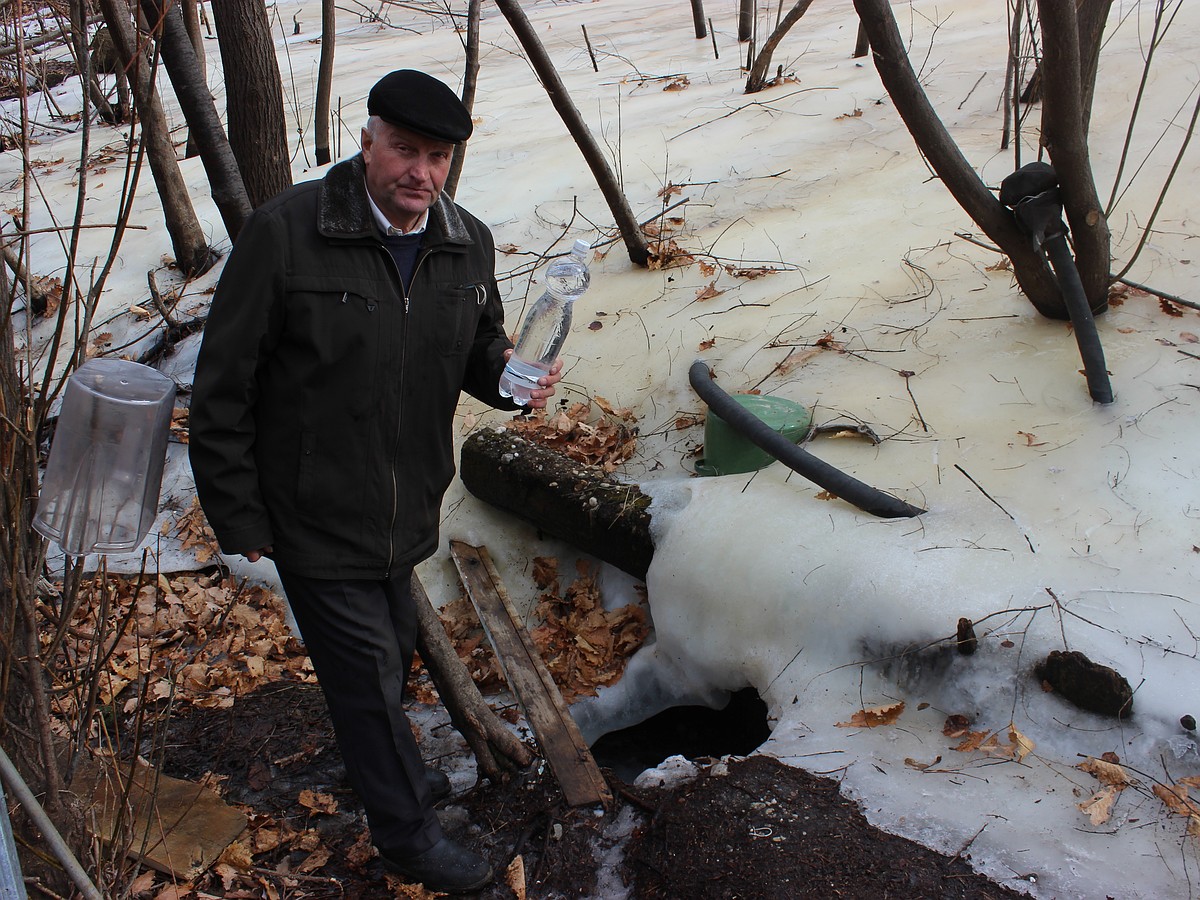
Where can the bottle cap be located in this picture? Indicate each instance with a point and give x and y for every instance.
(581, 248)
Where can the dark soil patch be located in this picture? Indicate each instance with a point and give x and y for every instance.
(763, 830)
(48, 73)
(769, 830)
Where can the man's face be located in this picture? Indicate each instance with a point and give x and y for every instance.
(405, 171)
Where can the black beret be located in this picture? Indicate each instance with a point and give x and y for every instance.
(410, 99)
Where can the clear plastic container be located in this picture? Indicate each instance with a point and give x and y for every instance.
(100, 492)
(545, 328)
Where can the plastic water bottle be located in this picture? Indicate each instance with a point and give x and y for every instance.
(546, 325)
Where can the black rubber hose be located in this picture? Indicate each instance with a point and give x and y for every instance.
(1032, 194)
(762, 435)
(1082, 320)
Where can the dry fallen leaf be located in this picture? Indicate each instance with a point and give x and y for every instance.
(972, 741)
(362, 851)
(920, 766)
(514, 876)
(708, 292)
(1022, 745)
(875, 716)
(401, 888)
(238, 856)
(314, 860)
(606, 442)
(956, 725)
(318, 802)
(1099, 805)
(585, 646)
(1176, 799)
(142, 884)
(466, 634)
(750, 273)
(1105, 772)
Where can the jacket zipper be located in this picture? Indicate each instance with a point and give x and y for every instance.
(400, 410)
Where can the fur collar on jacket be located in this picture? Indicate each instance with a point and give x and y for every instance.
(344, 211)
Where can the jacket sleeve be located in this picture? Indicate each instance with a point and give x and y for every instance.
(486, 361)
(243, 325)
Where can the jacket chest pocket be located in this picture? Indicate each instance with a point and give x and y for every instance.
(334, 339)
(457, 310)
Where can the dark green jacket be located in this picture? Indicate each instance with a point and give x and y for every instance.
(323, 402)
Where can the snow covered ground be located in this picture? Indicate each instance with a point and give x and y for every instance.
(1052, 522)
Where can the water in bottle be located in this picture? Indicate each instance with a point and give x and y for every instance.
(546, 325)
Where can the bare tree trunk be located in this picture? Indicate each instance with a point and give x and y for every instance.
(1030, 268)
(105, 59)
(1092, 16)
(190, 9)
(191, 21)
(321, 114)
(1010, 98)
(192, 253)
(1064, 133)
(83, 59)
(25, 719)
(257, 127)
(38, 297)
(635, 240)
(862, 43)
(745, 20)
(470, 80)
(179, 57)
(757, 79)
(698, 19)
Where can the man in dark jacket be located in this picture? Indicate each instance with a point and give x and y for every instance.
(351, 313)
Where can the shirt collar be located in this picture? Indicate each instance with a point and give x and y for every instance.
(387, 227)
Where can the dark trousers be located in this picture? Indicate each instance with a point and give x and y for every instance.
(360, 636)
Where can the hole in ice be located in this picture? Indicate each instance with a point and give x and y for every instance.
(689, 731)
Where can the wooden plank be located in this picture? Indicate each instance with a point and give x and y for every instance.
(557, 734)
(178, 827)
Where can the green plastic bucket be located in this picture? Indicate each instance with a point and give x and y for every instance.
(727, 452)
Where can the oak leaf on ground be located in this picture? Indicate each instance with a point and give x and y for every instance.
(875, 716)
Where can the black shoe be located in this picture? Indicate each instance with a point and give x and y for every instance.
(446, 867)
(438, 783)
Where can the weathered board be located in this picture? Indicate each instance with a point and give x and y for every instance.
(562, 745)
(178, 827)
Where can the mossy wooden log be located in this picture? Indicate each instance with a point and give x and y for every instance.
(574, 502)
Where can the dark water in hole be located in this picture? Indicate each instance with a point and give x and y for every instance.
(690, 731)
